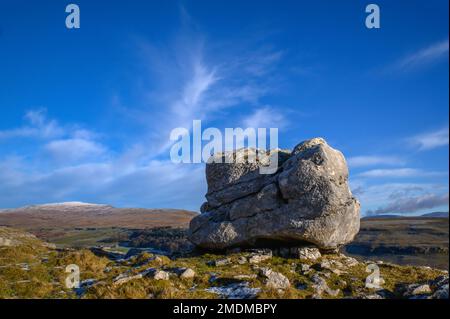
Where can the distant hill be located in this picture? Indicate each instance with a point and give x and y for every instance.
(382, 216)
(77, 214)
(436, 214)
(404, 240)
(429, 215)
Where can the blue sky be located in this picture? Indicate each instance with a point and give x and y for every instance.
(86, 113)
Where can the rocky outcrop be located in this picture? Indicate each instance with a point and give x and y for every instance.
(306, 200)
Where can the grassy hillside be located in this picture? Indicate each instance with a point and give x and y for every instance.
(30, 268)
(32, 218)
(403, 240)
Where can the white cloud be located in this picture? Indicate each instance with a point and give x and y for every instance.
(430, 140)
(413, 204)
(74, 149)
(195, 80)
(398, 172)
(361, 161)
(387, 195)
(265, 117)
(38, 126)
(201, 80)
(159, 182)
(424, 56)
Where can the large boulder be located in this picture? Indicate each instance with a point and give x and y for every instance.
(307, 200)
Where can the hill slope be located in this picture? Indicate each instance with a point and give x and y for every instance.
(30, 268)
(403, 240)
(83, 215)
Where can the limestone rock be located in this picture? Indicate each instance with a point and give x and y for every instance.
(239, 290)
(420, 290)
(306, 200)
(256, 258)
(160, 275)
(5, 242)
(220, 262)
(274, 279)
(188, 273)
(321, 286)
(308, 253)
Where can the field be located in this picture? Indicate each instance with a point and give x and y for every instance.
(94, 216)
(403, 240)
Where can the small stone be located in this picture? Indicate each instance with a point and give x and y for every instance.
(220, 262)
(239, 290)
(188, 273)
(308, 253)
(161, 275)
(416, 290)
(304, 268)
(348, 261)
(256, 259)
(325, 264)
(320, 285)
(420, 290)
(274, 279)
(122, 278)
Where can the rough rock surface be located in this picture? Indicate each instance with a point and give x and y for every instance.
(308, 253)
(274, 279)
(307, 200)
(187, 273)
(320, 285)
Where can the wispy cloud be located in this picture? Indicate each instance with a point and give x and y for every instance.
(37, 126)
(405, 205)
(383, 197)
(195, 80)
(211, 79)
(74, 149)
(399, 172)
(361, 161)
(430, 140)
(265, 117)
(424, 56)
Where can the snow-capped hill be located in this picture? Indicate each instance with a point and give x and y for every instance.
(69, 205)
(80, 214)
